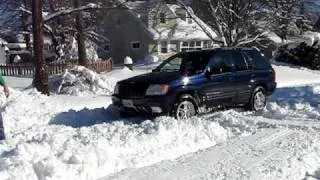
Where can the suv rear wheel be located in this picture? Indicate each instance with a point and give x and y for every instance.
(185, 108)
(258, 99)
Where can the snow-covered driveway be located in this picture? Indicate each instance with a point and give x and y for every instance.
(271, 153)
(71, 137)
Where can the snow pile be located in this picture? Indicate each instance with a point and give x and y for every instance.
(62, 136)
(81, 81)
(43, 144)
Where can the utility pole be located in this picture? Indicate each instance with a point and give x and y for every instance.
(82, 54)
(41, 75)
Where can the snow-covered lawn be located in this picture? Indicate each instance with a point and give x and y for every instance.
(83, 137)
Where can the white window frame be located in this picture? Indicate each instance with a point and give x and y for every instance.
(135, 42)
(187, 45)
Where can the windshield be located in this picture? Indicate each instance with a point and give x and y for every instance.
(172, 64)
(190, 63)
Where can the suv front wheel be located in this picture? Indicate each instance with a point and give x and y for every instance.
(185, 108)
(258, 99)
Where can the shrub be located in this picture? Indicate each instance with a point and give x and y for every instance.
(302, 55)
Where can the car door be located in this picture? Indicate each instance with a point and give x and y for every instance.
(242, 75)
(217, 88)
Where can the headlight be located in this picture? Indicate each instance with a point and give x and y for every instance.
(116, 89)
(157, 89)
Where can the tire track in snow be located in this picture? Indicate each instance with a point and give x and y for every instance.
(266, 154)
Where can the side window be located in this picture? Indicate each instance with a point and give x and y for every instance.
(248, 60)
(239, 61)
(258, 61)
(220, 63)
(196, 62)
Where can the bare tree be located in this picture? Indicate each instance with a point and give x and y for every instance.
(234, 21)
(289, 17)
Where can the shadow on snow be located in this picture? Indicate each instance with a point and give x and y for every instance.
(89, 117)
(291, 96)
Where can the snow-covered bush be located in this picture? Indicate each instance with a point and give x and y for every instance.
(82, 81)
(302, 55)
(151, 59)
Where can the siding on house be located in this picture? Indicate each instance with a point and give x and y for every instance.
(123, 29)
(159, 28)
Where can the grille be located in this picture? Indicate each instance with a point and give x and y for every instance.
(132, 90)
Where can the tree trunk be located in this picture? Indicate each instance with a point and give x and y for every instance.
(82, 55)
(41, 75)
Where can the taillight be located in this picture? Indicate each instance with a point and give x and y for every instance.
(273, 75)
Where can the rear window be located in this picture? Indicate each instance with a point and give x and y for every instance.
(257, 60)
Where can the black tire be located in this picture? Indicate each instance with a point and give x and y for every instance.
(258, 100)
(188, 103)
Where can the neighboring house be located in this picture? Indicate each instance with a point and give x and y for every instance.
(17, 46)
(156, 28)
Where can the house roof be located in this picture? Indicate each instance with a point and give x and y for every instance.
(182, 31)
(3, 42)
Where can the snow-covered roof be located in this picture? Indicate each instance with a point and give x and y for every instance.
(2, 41)
(140, 9)
(182, 31)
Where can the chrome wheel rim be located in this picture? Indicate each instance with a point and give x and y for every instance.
(185, 110)
(259, 100)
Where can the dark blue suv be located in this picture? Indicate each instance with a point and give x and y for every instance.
(189, 81)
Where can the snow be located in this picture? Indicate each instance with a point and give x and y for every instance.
(82, 136)
(151, 59)
(289, 75)
(3, 42)
(182, 31)
(127, 60)
(81, 81)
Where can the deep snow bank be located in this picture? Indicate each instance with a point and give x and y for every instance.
(43, 144)
(82, 81)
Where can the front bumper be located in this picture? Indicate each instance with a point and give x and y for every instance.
(148, 105)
